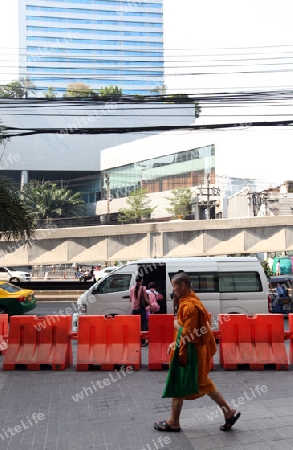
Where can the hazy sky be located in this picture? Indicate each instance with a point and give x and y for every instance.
(217, 46)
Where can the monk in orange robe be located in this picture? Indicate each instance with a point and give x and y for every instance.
(196, 323)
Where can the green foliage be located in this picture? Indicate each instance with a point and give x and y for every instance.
(110, 92)
(50, 93)
(184, 98)
(18, 89)
(12, 90)
(46, 200)
(160, 90)
(139, 208)
(15, 223)
(27, 86)
(180, 202)
(78, 90)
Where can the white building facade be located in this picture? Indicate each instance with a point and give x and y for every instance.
(156, 161)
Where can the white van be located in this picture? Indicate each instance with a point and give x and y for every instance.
(231, 285)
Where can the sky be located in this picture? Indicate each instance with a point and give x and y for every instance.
(223, 46)
(217, 39)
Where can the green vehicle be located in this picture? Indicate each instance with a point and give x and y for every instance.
(15, 300)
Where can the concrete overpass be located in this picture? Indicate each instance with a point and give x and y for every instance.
(174, 238)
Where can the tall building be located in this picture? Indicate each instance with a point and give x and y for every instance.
(97, 42)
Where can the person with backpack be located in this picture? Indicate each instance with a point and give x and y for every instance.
(153, 298)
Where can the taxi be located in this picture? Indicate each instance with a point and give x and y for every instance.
(14, 300)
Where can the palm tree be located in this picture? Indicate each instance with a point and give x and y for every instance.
(160, 90)
(15, 223)
(28, 86)
(46, 201)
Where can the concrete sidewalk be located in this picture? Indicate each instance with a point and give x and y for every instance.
(69, 410)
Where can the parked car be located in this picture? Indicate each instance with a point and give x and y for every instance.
(13, 275)
(99, 274)
(280, 289)
(15, 300)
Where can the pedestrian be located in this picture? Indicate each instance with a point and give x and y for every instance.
(160, 299)
(278, 267)
(153, 298)
(196, 323)
(139, 303)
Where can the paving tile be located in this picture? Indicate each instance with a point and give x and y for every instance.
(79, 416)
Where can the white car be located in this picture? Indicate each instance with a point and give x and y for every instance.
(13, 275)
(99, 274)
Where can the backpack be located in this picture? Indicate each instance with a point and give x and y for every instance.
(153, 301)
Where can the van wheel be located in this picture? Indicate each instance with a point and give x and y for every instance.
(110, 315)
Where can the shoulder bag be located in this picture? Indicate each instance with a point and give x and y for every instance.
(182, 381)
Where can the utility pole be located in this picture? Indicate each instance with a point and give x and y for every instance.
(208, 198)
(208, 192)
(107, 180)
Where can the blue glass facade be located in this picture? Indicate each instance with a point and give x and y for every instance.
(98, 42)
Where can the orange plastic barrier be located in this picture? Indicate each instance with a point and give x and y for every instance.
(35, 341)
(3, 333)
(290, 336)
(108, 341)
(161, 335)
(254, 341)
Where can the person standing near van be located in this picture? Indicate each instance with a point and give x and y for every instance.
(153, 298)
(139, 302)
(196, 323)
(278, 267)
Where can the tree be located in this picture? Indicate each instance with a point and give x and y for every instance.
(160, 90)
(78, 90)
(180, 202)
(139, 207)
(18, 89)
(28, 86)
(12, 90)
(15, 223)
(50, 93)
(46, 201)
(110, 92)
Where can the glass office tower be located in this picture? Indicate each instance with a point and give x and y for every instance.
(96, 42)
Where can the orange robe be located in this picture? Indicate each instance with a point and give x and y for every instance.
(196, 322)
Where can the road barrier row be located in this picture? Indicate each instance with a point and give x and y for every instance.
(36, 342)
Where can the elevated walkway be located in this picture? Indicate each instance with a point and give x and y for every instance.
(153, 240)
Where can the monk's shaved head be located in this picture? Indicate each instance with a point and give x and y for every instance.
(182, 277)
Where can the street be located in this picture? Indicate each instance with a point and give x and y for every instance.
(52, 308)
